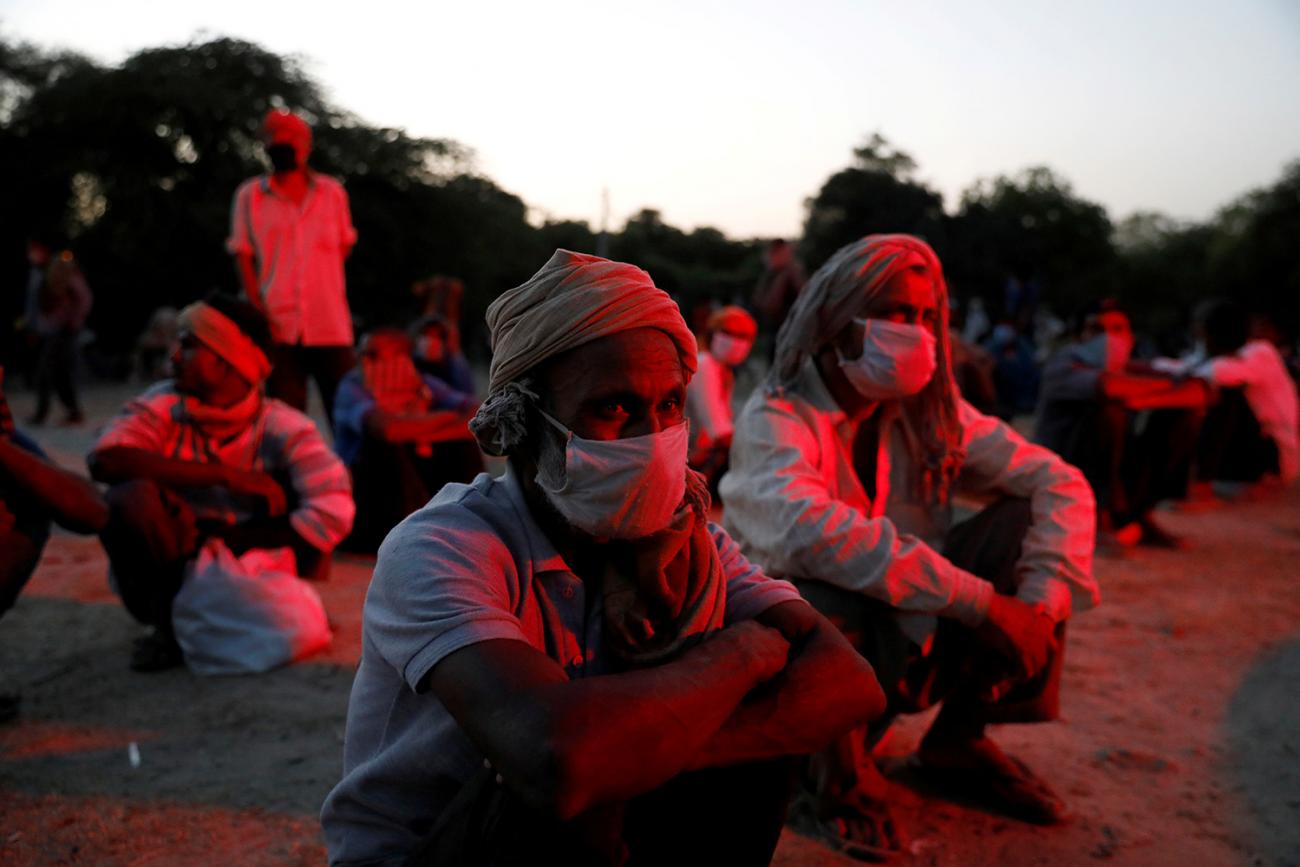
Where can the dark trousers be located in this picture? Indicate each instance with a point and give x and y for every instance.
(292, 364)
(958, 666)
(1133, 460)
(730, 816)
(392, 480)
(20, 545)
(152, 534)
(56, 367)
(1232, 447)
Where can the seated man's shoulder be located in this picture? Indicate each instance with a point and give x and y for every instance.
(158, 398)
(465, 524)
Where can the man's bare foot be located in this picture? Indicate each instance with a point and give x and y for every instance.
(979, 767)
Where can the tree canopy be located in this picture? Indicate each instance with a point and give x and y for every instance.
(134, 166)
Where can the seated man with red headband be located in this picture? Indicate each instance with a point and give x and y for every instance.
(403, 435)
(207, 454)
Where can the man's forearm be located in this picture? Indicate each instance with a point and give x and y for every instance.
(826, 690)
(614, 737)
(426, 428)
(123, 464)
(247, 273)
(72, 501)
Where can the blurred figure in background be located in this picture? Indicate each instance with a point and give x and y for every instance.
(1131, 430)
(59, 301)
(154, 345)
(437, 352)
(1250, 432)
(779, 285)
(729, 336)
(403, 435)
(289, 233)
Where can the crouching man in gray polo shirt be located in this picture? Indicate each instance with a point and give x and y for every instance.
(568, 661)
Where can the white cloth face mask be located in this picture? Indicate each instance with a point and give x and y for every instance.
(620, 489)
(898, 360)
(729, 350)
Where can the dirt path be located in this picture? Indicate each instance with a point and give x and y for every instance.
(1180, 743)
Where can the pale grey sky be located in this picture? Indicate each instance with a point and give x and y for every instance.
(729, 114)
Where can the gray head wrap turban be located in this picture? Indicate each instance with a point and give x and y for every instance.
(844, 288)
(574, 299)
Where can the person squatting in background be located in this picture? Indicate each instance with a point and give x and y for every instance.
(437, 352)
(206, 455)
(843, 471)
(1131, 429)
(402, 434)
(567, 662)
(1252, 429)
(728, 338)
(290, 231)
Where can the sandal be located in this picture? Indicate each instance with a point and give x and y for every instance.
(155, 652)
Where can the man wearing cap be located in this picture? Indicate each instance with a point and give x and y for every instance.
(290, 231)
(843, 470)
(567, 662)
(728, 338)
(206, 454)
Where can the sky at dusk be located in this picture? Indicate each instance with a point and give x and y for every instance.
(731, 114)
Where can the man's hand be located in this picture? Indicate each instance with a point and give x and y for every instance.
(1022, 633)
(262, 485)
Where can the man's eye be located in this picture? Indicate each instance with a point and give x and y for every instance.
(611, 409)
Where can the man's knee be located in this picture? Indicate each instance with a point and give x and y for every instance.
(136, 503)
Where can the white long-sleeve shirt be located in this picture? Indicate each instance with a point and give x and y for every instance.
(794, 503)
(708, 403)
(1257, 368)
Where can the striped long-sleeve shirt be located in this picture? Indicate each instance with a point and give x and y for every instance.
(277, 440)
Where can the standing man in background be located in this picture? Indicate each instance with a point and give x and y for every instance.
(289, 233)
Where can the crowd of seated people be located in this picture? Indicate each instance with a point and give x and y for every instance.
(575, 655)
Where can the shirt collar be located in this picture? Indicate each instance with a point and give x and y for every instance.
(542, 552)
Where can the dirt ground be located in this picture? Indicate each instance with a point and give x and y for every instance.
(1179, 743)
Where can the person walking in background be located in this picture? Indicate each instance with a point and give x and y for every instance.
(290, 231)
(729, 335)
(59, 301)
(403, 435)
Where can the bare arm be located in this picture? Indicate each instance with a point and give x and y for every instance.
(123, 463)
(826, 689)
(72, 501)
(247, 271)
(566, 746)
(433, 427)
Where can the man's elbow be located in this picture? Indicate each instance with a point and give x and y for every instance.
(554, 782)
(104, 467)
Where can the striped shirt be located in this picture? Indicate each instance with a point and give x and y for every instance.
(278, 440)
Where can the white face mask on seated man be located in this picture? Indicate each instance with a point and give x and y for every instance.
(616, 489)
(897, 360)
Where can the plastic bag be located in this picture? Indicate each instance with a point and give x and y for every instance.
(246, 614)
